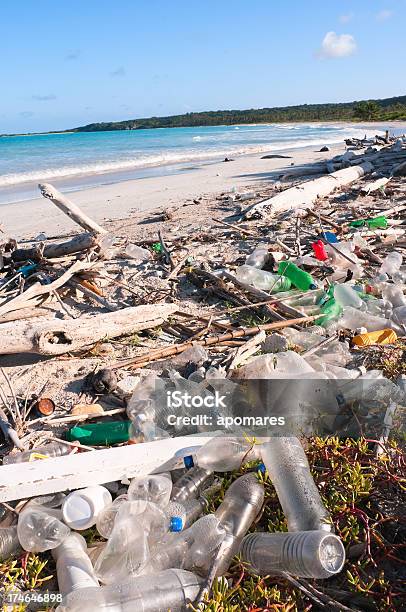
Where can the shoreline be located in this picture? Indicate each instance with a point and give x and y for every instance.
(119, 200)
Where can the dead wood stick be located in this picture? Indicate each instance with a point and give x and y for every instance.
(35, 294)
(241, 230)
(70, 209)
(63, 336)
(236, 333)
(83, 242)
(177, 268)
(92, 295)
(325, 219)
(79, 417)
(26, 313)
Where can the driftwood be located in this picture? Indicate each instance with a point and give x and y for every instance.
(62, 336)
(70, 209)
(306, 194)
(36, 293)
(82, 242)
(176, 349)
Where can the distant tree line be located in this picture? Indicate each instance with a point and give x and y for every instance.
(366, 110)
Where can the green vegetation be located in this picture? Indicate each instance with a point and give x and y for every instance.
(366, 110)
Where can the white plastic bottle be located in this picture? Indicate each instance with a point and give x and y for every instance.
(391, 264)
(81, 508)
(73, 566)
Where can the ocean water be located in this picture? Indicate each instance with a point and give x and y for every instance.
(88, 159)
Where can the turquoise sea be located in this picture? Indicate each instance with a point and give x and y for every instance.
(87, 159)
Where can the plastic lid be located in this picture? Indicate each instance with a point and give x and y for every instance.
(77, 512)
(176, 524)
(188, 461)
(261, 468)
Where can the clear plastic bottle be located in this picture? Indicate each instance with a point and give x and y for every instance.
(54, 449)
(241, 505)
(260, 279)
(152, 488)
(127, 548)
(136, 252)
(106, 518)
(9, 542)
(259, 256)
(393, 294)
(298, 495)
(307, 554)
(346, 296)
(171, 590)
(73, 566)
(226, 454)
(190, 485)
(273, 365)
(190, 549)
(391, 264)
(353, 319)
(40, 528)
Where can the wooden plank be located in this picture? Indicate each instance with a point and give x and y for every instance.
(25, 480)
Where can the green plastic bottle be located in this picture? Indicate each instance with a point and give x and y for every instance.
(380, 222)
(99, 434)
(298, 277)
(331, 311)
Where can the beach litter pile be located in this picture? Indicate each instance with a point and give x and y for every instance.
(143, 504)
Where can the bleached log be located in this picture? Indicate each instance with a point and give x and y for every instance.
(70, 209)
(306, 194)
(62, 336)
(25, 480)
(370, 187)
(79, 243)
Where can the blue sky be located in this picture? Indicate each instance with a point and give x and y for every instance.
(73, 62)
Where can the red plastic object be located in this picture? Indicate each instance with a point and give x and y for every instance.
(319, 250)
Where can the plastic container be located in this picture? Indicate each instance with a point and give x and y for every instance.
(382, 336)
(298, 495)
(380, 222)
(153, 488)
(319, 250)
(80, 509)
(98, 434)
(190, 485)
(40, 528)
(9, 542)
(330, 311)
(391, 264)
(136, 252)
(259, 257)
(106, 518)
(346, 296)
(226, 454)
(306, 554)
(260, 279)
(73, 567)
(299, 278)
(170, 590)
(54, 449)
(241, 505)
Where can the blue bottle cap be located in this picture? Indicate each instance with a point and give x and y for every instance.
(188, 461)
(176, 524)
(313, 286)
(330, 237)
(261, 468)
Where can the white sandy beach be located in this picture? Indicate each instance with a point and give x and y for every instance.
(30, 217)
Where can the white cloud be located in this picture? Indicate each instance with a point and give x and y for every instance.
(346, 18)
(384, 15)
(337, 45)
